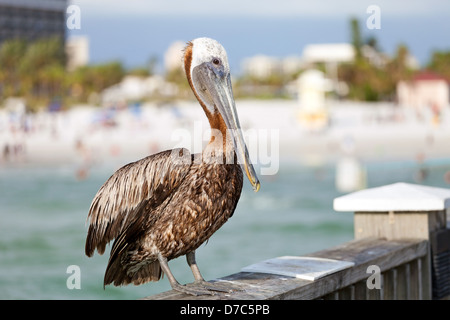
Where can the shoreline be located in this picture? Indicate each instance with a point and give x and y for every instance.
(85, 136)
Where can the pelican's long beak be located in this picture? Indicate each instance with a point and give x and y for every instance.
(224, 102)
(215, 88)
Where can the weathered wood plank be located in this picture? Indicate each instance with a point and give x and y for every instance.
(402, 282)
(425, 266)
(397, 225)
(331, 296)
(374, 294)
(361, 290)
(363, 252)
(414, 280)
(347, 293)
(389, 284)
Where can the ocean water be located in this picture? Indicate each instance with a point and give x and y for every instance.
(43, 226)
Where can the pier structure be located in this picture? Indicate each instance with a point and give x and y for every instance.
(401, 250)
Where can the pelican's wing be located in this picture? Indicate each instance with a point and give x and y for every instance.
(152, 178)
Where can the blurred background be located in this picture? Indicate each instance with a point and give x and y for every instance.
(343, 95)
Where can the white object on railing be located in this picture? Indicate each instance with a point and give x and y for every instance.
(397, 211)
(307, 268)
(395, 197)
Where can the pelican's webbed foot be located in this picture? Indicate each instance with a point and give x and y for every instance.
(194, 288)
(215, 286)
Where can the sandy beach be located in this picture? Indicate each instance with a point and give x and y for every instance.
(84, 135)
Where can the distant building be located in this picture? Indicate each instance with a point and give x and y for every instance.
(173, 56)
(261, 66)
(135, 88)
(329, 53)
(291, 65)
(77, 52)
(32, 19)
(333, 54)
(425, 90)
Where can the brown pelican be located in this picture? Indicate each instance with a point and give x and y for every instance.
(168, 204)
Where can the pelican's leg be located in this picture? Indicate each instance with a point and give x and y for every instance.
(215, 286)
(190, 257)
(196, 291)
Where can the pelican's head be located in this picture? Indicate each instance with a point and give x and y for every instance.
(208, 73)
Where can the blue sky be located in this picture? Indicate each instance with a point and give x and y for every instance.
(135, 30)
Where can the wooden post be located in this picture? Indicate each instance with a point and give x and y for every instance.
(404, 211)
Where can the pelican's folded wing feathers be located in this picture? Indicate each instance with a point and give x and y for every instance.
(153, 177)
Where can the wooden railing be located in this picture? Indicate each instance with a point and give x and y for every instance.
(401, 251)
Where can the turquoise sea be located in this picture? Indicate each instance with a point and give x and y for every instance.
(43, 214)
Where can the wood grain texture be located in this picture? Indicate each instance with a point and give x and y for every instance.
(364, 252)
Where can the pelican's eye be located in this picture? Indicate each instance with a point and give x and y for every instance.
(216, 61)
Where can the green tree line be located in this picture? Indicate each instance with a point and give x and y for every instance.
(369, 82)
(37, 72)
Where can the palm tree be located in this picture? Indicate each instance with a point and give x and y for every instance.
(440, 63)
(11, 54)
(41, 57)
